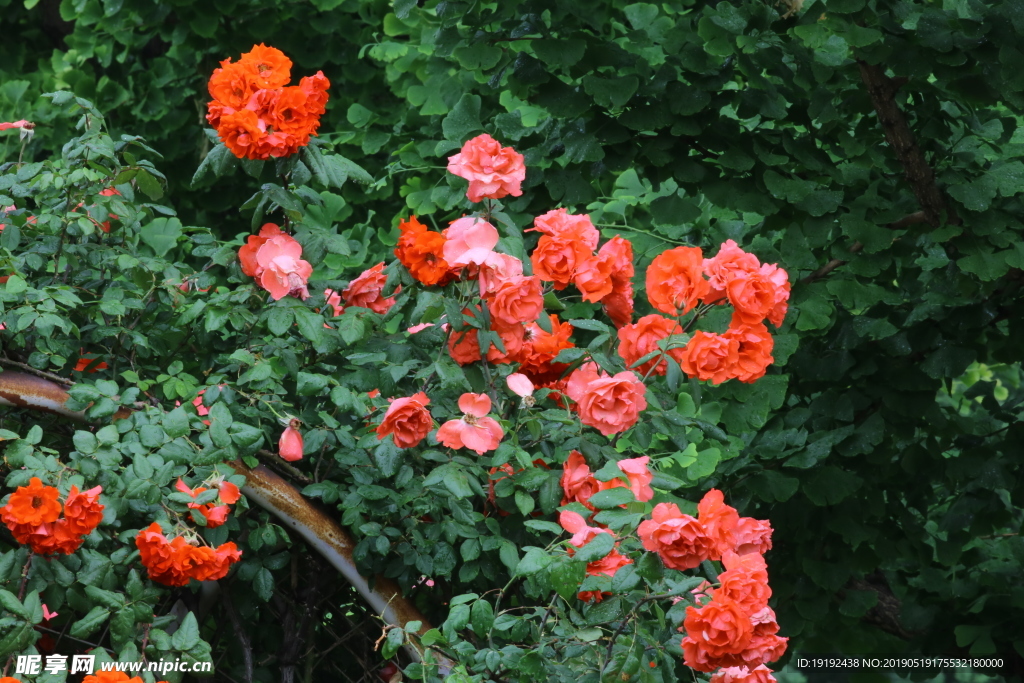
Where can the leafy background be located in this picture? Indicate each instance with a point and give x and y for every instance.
(885, 446)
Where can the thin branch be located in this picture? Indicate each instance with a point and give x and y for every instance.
(856, 247)
(39, 373)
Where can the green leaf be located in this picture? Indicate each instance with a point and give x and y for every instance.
(90, 623)
(217, 163)
(610, 498)
(149, 184)
(597, 548)
(175, 423)
(161, 234)
(534, 561)
(482, 617)
(187, 635)
(463, 119)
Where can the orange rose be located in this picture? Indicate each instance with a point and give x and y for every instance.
(618, 305)
(719, 521)
(680, 540)
(594, 277)
(578, 484)
(421, 251)
(754, 354)
(555, 259)
(716, 635)
(675, 280)
(728, 263)
(641, 338)
(365, 290)
(407, 420)
(711, 357)
(752, 295)
(517, 300)
(744, 581)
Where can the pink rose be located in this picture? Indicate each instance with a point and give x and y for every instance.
(496, 270)
(753, 536)
(520, 384)
(284, 272)
(741, 674)
(610, 404)
(493, 171)
(469, 240)
(474, 430)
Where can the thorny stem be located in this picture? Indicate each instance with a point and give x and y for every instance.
(21, 596)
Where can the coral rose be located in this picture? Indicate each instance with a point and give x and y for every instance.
(730, 261)
(719, 520)
(741, 674)
(247, 253)
(638, 475)
(578, 484)
(520, 385)
(561, 224)
(744, 581)
(407, 420)
(675, 280)
(754, 354)
(83, 510)
(618, 305)
(284, 272)
(716, 635)
(594, 277)
(680, 540)
(641, 338)
(474, 430)
(752, 536)
(469, 240)
(496, 270)
(753, 295)
(711, 357)
(517, 300)
(610, 404)
(493, 171)
(366, 290)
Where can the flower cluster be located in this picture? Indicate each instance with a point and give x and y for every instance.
(676, 285)
(215, 515)
(33, 514)
(256, 113)
(274, 259)
(408, 422)
(736, 628)
(579, 484)
(175, 562)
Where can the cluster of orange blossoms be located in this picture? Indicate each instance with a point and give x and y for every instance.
(567, 253)
(256, 113)
(33, 514)
(215, 515)
(175, 562)
(733, 629)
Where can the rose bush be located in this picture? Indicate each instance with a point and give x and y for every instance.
(397, 394)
